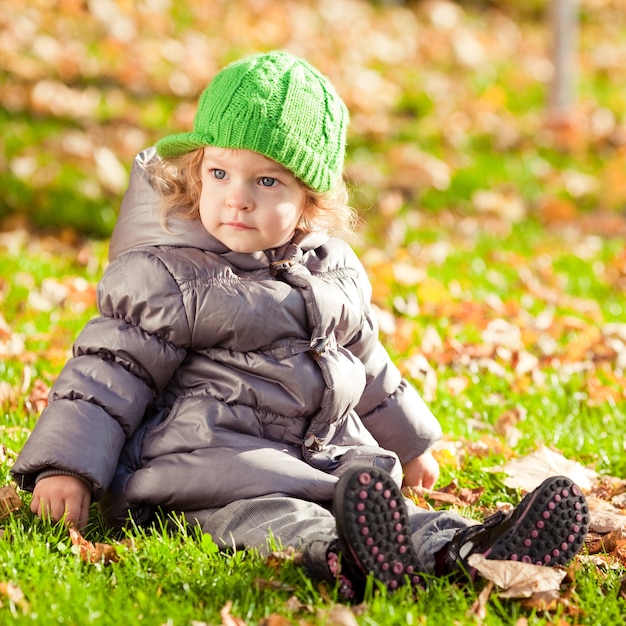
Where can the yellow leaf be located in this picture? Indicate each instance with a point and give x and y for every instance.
(432, 291)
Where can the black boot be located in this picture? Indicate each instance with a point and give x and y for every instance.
(373, 529)
(548, 527)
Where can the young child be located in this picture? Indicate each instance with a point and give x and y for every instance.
(235, 374)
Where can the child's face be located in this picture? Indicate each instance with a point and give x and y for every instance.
(248, 201)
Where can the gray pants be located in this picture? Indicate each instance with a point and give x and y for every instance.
(308, 526)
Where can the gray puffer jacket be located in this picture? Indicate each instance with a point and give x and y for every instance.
(211, 376)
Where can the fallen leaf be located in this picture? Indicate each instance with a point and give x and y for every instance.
(530, 471)
(15, 596)
(227, 618)
(605, 517)
(418, 368)
(37, 398)
(278, 557)
(275, 620)
(506, 425)
(506, 204)
(478, 609)
(557, 210)
(7, 393)
(295, 606)
(9, 501)
(543, 600)
(525, 363)
(93, 553)
(517, 580)
(415, 169)
(272, 585)
(457, 385)
(11, 343)
(615, 541)
(338, 615)
(432, 291)
(557, 297)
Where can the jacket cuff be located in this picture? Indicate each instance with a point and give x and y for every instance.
(60, 472)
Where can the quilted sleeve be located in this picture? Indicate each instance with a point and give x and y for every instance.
(121, 361)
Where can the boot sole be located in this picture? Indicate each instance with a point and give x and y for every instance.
(372, 524)
(550, 528)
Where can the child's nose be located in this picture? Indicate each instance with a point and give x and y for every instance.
(239, 196)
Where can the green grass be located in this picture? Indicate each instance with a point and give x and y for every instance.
(176, 576)
(487, 124)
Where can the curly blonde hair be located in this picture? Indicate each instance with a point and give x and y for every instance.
(179, 182)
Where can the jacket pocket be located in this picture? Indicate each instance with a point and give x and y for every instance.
(162, 418)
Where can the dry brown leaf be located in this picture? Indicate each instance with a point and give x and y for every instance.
(600, 561)
(295, 606)
(338, 615)
(487, 446)
(415, 169)
(272, 585)
(11, 343)
(525, 362)
(7, 393)
(517, 580)
(227, 618)
(421, 496)
(451, 494)
(557, 210)
(556, 296)
(530, 471)
(478, 610)
(506, 425)
(417, 495)
(93, 553)
(278, 557)
(605, 518)
(614, 543)
(9, 501)
(506, 204)
(469, 497)
(14, 595)
(457, 385)
(37, 399)
(610, 488)
(543, 600)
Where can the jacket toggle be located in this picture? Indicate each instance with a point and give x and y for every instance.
(313, 443)
(319, 345)
(277, 267)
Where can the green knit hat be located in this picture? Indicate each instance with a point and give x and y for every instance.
(275, 104)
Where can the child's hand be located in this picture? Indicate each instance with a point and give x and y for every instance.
(56, 496)
(422, 471)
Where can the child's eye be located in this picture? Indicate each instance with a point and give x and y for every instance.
(268, 181)
(219, 174)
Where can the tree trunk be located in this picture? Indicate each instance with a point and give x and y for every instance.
(564, 29)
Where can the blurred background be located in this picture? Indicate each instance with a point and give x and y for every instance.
(450, 101)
